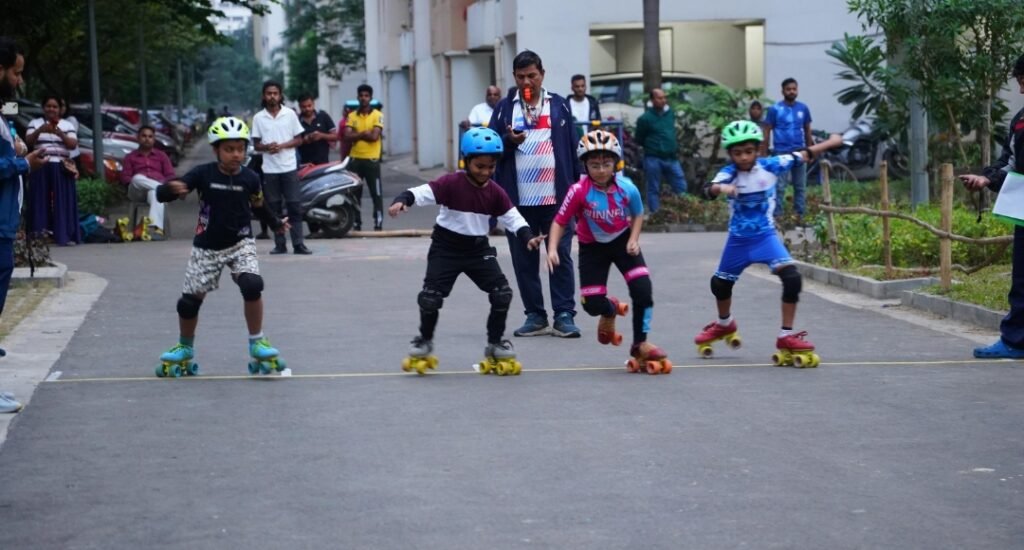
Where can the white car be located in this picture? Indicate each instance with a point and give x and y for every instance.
(622, 96)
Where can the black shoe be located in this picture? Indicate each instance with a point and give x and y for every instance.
(301, 249)
(378, 228)
(263, 236)
(279, 250)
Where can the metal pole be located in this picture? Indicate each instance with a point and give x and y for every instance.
(97, 115)
(179, 89)
(918, 151)
(142, 75)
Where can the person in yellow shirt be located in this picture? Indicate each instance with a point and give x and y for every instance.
(363, 130)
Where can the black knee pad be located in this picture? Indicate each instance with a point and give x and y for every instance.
(641, 293)
(500, 298)
(721, 288)
(188, 306)
(595, 305)
(430, 300)
(792, 283)
(251, 286)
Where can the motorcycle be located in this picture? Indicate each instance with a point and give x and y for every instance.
(863, 150)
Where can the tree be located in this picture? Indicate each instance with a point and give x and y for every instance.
(335, 31)
(232, 73)
(652, 46)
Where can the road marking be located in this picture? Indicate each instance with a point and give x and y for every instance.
(54, 376)
(704, 365)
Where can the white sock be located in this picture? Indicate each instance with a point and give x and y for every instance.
(257, 336)
(785, 332)
(725, 322)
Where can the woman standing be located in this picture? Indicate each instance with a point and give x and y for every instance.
(53, 200)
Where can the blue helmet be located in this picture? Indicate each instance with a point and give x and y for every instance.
(481, 141)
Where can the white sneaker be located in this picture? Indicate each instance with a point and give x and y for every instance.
(9, 405)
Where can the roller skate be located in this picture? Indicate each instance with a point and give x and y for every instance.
(122, 230)
(648, 358)
(606, 325)
(714, 332)
(794, 350)
(142, 230)
(177, 362)
(420, 358)
(500, 359)
(265, 358)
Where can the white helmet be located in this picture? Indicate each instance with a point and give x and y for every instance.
(598, 140)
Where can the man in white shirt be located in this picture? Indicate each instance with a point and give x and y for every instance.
(481, 113)
(584, 106)
(276, 132)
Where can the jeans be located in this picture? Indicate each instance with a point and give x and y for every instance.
(798, 172)
(1012, 326)
(527, 265)
(657, 169)
(6, 269)
(282, 190)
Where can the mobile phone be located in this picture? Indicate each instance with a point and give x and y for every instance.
(10, 108)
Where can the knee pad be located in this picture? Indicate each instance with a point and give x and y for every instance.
(641, 292)
(595, 305)
(792, 283)
(430, 300)
(500, 298)
(188, 306)
(721, 288)
(251, 286)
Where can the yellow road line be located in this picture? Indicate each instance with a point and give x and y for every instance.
(703, 365)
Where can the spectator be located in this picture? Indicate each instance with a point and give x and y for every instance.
(756, 112)
(276, 130)
(211, 115)
(363, 131)
(536, 170)
(345, 147)
(656, 133)
(480, 115)
(12, 168)
(584, 106)
(52, 197)
(788, 127)
(145, 169)
(318, 132)
(1011, 330)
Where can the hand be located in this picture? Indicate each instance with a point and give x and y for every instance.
(534, 243)
(728, 189)
(552, 260)
(464, 125)
(178, 188)
(36, 159)
(273, 148)
(517, 137)
(632, 248)
(285, 226)
(19, 147)
(396, 209)
(974, 182)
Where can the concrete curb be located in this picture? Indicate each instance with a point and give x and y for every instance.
(683, 228)
(390, 233)
(862, 285)
(940, 305)
(55, 276)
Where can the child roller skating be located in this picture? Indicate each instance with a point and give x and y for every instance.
(459, 245)
(750, 184)
(228, 196)
(609, 216)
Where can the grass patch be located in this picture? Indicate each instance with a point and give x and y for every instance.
(21, 302)
(988, 287)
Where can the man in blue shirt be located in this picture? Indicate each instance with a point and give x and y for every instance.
(788, 126)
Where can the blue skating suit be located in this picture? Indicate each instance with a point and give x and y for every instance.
(752, 236)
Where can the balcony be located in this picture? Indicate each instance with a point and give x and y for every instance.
(448, 25)
(482, 24)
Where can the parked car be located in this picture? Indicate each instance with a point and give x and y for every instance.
(622, 97)
(118, 127)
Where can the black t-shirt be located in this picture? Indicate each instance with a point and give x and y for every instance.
(317, 151)
(224, 204)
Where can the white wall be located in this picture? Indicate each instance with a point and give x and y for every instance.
(471, 74)
(430, 124)
(754, 58)
(398, 113)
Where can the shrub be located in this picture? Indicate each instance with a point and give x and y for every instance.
(691, 209)
(96, 196)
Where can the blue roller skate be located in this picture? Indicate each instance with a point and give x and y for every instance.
(265, 359)
(177, 362)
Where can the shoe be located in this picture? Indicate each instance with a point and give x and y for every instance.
(263, 236)
(7, 395)
(3, 352)
(279, 250)
(999, 350)
(536, 325)
(565, 327)
(301, 249)
(9, 405)
(378, 228)
(357, 227)
(156, 234)
(317, 235)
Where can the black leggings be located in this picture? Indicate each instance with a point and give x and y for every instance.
(444, 265)
(595, 261)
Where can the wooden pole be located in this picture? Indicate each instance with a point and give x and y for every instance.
(826, 192)
(945, 244)
(886, 240)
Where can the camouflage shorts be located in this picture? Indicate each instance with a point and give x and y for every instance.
(204, 266)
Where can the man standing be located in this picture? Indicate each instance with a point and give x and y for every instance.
(144, 170)
(480, 115)
(318, 132)
(363, 131)
(584, 106)
(536, 170)
(12, 168)
(656, 133)
(276, 132)
(788, 128)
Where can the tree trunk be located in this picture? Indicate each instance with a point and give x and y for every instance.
(652, 46)
(985, 135)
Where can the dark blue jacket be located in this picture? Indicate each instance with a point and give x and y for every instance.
(563, 141)
(10, 187)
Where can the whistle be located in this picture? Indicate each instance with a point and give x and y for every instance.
(528, 95)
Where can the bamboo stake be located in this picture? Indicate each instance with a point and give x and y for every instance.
(945, 244)
(826, 192)
(886, 240)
